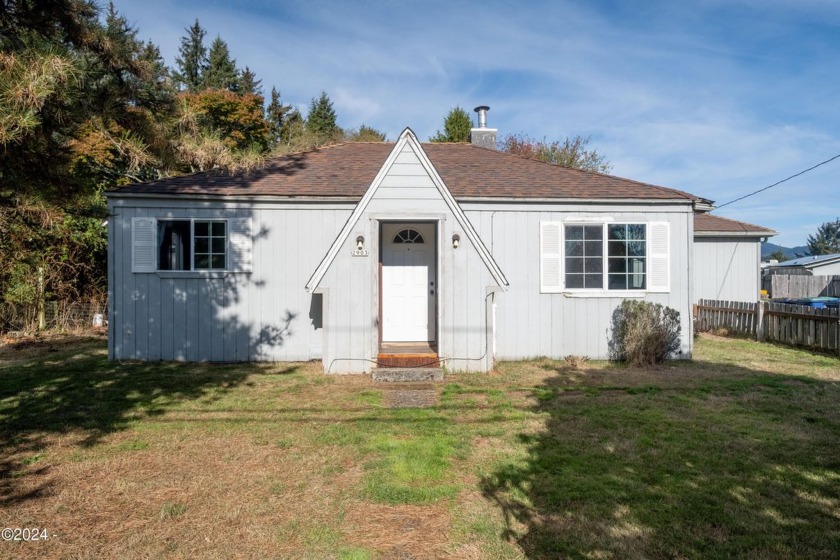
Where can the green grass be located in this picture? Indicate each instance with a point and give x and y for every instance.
(732, 455)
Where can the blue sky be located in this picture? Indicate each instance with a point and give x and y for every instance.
(715, 97)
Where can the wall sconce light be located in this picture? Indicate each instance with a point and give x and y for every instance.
(360, 243)
(456, 240)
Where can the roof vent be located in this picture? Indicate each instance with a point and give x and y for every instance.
(482, 115)
(483, 136)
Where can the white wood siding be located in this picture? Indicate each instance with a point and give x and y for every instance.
(530, 323)
(262, 315)
(727, 268)
(407, 194)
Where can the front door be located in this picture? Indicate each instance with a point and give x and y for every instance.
(409, 282)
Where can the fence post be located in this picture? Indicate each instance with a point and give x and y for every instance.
(759, 329)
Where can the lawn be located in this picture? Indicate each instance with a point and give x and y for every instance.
(733, 455)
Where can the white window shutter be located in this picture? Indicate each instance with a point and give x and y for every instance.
(659, 257)
(143, 234)
(550, 257)
(241, 245)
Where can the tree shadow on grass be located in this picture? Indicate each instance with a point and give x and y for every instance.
(681, 462)
(72, 388)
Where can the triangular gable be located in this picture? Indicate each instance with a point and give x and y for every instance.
(408, 138)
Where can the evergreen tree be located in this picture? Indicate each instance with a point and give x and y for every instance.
(826, 240)
(221, 69)
(192, 59)
(321, 117)
(365, 134)
(155, 91)
(248, 82)
(275, 115)
(456, 127)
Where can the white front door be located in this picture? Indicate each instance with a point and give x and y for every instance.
(409, 282)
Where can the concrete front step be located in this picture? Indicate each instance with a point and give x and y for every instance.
(407, 375)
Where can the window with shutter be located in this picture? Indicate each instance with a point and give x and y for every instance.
(550, 257)
(603, 257)
(143, 245)
(659, 277)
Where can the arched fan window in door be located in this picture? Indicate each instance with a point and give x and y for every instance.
(408, 235)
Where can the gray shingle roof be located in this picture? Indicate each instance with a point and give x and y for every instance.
(347, 170)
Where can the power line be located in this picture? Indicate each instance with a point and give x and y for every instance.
(779, 182)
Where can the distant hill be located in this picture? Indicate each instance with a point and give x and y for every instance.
(790, 252)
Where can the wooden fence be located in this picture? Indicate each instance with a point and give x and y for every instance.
(790, 286)
(57, 315)
(738, 316)
(797, 325)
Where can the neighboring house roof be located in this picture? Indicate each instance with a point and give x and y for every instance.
(706, 225)
(347, 170)
(811, 262)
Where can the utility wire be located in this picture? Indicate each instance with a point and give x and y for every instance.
(779, 182)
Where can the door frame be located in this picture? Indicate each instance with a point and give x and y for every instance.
(437, 226)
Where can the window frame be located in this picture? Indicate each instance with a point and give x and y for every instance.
(552, 256)
(192, 268)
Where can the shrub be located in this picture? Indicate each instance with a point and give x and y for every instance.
(644, 333)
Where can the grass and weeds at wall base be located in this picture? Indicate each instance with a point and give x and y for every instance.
(731, 455)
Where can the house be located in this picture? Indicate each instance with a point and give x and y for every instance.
(816, 265)
(727, 258)
(360, 252)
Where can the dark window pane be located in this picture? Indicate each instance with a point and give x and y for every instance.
(617, 232)
(574, 233)
(592, 232)
(218, 244)
(202, 245)
(636, 248)
(202, 228)
(594, 281)
(593, 248)
(617, 248)
(218, 261)
(219, 228)
(574, 248)
(617, 281)
(593, 264)
(617, 265)
(202, 261)
(636, 265)
(636, 231)
(174, 245)
(636, 281)
(574, 281)
(574, 265)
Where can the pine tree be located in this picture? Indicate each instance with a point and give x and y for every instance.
(826, 240)
(192, 59)
(321, 117)
(221, 69)
(155, 92)
(275, 114)
(456, 127)
(248, 82)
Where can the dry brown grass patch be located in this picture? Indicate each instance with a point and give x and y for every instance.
(399, 531)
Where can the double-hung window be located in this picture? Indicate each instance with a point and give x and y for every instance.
(191, 245)
(604, 257)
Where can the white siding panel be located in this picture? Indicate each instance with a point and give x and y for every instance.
(530, 323)
(726, 268)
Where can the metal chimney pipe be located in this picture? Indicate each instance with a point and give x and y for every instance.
(482, 115)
